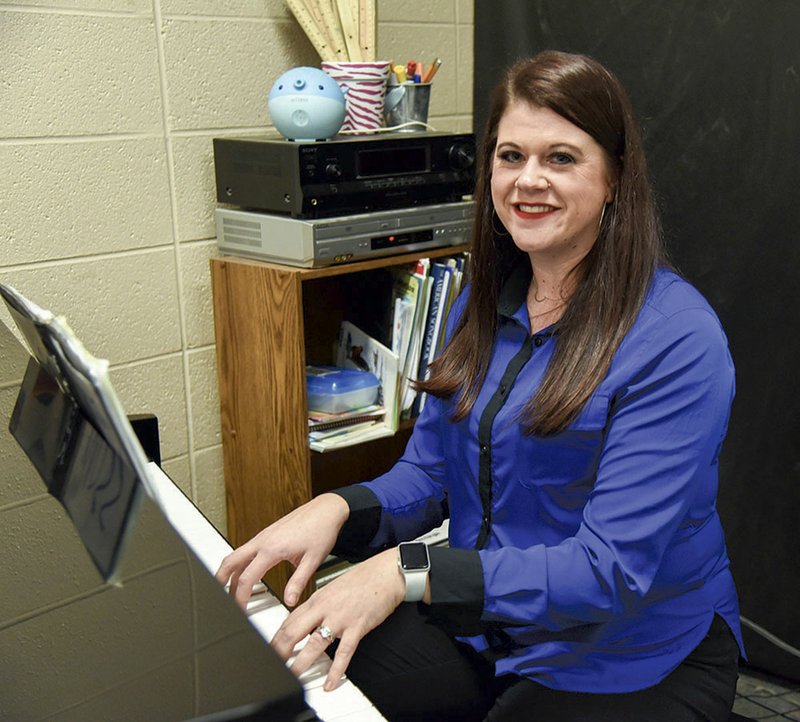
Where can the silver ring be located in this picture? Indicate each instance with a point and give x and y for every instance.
(326, 633)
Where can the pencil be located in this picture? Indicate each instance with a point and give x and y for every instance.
(435, 65)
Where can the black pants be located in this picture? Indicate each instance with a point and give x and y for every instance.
(412, 670)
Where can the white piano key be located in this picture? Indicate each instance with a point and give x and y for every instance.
(316, 673)
(267, 621)
(340, 703)
(262, 602)
(367, 714)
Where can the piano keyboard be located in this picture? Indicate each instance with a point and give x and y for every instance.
(265, 611)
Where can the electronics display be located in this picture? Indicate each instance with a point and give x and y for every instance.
(346, 175)
(414, 563)
(324, 242)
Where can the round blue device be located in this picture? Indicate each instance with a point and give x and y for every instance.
(306, 104)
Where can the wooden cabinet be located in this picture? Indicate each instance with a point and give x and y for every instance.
(270, 320)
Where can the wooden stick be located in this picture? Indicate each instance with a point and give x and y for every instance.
(349, 27)
(366, 28)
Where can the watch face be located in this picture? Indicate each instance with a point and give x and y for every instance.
(414, 556)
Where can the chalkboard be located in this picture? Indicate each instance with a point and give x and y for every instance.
(716, 87)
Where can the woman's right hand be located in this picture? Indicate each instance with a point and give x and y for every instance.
(304, 538)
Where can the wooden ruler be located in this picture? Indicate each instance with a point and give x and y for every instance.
(348, 20)
(366, 28)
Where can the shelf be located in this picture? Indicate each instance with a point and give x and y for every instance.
(270, 321)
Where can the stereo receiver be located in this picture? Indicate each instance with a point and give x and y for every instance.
(346, 175)
(323, 242)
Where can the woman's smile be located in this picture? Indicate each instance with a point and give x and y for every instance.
(524, 210)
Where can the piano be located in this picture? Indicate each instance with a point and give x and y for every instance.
(109, 608)
(264, 611)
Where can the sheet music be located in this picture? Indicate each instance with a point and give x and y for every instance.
(265, 611)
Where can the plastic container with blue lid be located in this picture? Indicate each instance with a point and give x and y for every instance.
(335, 390)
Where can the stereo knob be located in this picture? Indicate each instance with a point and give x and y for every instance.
(461, 156)
(333, 171)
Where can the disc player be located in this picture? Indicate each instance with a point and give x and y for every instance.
(313, 243)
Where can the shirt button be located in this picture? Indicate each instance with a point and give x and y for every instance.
(486, 521)
(538, 341)
(484, 449)
(502, 389)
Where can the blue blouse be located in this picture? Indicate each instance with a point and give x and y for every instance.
(592, 560)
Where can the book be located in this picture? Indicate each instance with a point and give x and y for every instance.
(411, 366)
(349, 436)
(356, 349)
(405, 307)
(407, 293)
(440, 285)
(322, 421)
(335, 435)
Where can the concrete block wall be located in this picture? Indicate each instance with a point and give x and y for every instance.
(106, 187)
(107, 112)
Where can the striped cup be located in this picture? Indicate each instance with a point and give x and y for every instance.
(364, 88)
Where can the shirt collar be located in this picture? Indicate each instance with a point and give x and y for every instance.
(514, 292)
(513, 297)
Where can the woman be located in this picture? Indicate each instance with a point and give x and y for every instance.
(572, 435)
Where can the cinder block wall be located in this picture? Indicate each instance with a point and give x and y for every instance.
(106, 181)
(107, 111)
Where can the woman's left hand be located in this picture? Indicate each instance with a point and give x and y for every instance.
(350, 606)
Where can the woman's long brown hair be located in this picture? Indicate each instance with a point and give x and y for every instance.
(613, 277)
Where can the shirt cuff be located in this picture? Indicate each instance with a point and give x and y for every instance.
(362, 524)
(456, 581)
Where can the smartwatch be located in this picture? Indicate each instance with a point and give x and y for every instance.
(414, 563)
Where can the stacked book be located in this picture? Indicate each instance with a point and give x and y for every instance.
(326, 429)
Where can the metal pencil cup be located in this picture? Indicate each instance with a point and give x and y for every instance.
(407, 103)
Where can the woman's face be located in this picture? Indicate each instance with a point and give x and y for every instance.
(550, 182)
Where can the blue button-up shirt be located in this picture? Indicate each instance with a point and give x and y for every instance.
(592, 560)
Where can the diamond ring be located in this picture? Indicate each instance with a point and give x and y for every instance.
(326, 633)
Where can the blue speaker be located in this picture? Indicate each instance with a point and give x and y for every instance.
(306, 104)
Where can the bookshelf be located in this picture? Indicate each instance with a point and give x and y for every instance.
(270, 321)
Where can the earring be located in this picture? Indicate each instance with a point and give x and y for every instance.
(504, 232)
(602, 216)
